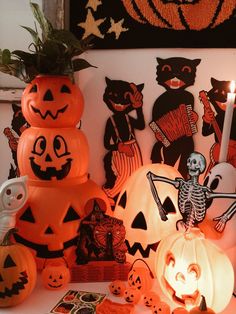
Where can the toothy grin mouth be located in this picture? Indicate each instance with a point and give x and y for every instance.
(138, 247)
(49, 113)
(175, 83)
(16, 287)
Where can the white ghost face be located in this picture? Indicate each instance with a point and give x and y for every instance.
(13, 194)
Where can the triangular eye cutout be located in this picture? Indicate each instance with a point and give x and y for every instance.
(71, 215)
(65, 89)
(27, 215)
(33, 89)
(139, 222)
(168, 206)
(9, 262)
(49, 230)
(123, 200)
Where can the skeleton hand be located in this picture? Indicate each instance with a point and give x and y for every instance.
(222, 220)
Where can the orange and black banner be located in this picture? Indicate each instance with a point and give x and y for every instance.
(124, 24)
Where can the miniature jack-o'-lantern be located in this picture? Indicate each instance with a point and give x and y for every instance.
(53, 154)
(151, 298)
(132, 295)
(188, 266)
(140, 277)
(161, 308)
(202, 308)
(51, 102)
(55, 276)
(180, 14)
(117, 288)
(139, 212)
(17, 272)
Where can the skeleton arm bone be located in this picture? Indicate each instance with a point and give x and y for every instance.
(220, 195)
(222, 220)
(151, 176)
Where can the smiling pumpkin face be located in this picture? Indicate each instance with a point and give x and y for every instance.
(53, 154)
(55, 276)
(52, 101)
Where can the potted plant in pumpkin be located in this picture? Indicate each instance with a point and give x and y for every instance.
(53, 152)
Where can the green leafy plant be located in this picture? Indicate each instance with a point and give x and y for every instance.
(52, 52)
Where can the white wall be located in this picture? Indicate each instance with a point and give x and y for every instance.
(14, 13)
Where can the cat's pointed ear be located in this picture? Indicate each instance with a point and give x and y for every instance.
(15, 108)
(140, 87)
(213, 81)
(196, 62)
(159, 60)
(108, 81)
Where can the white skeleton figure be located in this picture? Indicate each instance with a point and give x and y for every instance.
(226, 216)
(13, 196)
(192, 196)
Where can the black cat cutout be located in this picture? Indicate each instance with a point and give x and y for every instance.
(18, 125)
(213, 120)
(173, 118)
(124, 155)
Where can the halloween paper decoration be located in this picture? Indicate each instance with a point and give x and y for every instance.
(55, 276)
(54, 155)
(151, 298)
(52, 101)
(193, 197)
(13, 195)
(124, 155)
(17, 272)
(188, 266)
(173, 116)
(137, 208)
(214, 102)
(117, 288)
(132, 295)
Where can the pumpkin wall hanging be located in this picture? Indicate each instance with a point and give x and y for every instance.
(139, 212)
(17, 272)
(188, 266)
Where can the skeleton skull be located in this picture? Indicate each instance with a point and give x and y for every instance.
(196, 164)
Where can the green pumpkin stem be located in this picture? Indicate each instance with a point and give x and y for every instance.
(6, 240)
(203, 306)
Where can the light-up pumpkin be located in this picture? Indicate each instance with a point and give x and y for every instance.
(52, 101)
(55, 276)
(132, 295)
(17, 272)
(188, 266)
(117, 288)
(53, 154)
(180, 14)
(151, 298)
(161, 308)
(139, 212)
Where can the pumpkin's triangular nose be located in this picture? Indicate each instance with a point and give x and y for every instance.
(48, 95)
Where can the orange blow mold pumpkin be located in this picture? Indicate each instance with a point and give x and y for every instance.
(161, 308)
(51, 102)
(55, 276)
(151, 298)
(17, 272)
(181, 14)
(58, 154)
(132, 295)
(117, 288)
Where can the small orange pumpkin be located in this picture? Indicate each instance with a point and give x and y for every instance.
(132, 295)
(161, 308)
(151, 298)
(55, 276)
(180, 14)
(202, 308)
(52, 101)
(117, 288)
(17, 272)
(140, 277)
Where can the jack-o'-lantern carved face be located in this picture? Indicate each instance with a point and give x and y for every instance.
(117, 288)
(139, 212)
(55, 276)
(132, 295)
(189, 266)
(52, 101)
(53, 154)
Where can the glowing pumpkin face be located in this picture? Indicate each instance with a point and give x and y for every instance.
(53, 154)
(189, 266)
(117, 288)
(17, 273)
(161, 308)
(55, 276)
(138, 210)
(52, 101)
(151, 298)
(180, 14)
(140, 278)
(132, 295)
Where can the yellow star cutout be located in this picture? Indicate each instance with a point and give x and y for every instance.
(117, 28)
(90, 25)
(93, 4)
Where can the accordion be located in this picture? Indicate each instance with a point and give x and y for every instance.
(174, 125)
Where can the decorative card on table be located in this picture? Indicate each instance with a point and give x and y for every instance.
(78, 302)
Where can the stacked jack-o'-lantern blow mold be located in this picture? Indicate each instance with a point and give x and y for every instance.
(54, 153)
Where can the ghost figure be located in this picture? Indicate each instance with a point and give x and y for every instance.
(13, 196)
